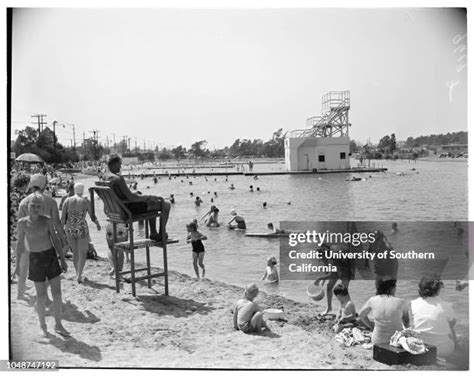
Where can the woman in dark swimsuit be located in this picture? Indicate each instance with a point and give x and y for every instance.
(196, 238)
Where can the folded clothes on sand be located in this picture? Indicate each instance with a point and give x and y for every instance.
(353, 336)
(409, 341)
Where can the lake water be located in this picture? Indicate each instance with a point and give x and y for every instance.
(434, 191)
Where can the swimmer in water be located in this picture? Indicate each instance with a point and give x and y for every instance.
(394, 227)
(264, 205)
(251, 188)
(240, 222)
(271, 272)
(274, 230)
(197, 201)
(231, 187)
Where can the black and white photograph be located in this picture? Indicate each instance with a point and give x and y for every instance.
(237, 188)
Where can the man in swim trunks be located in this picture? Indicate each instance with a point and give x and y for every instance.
(38, 241)
(137, 203)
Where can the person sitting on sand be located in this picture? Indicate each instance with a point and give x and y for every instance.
(240, 221)
(271, 271)
(136, 203)
(37, 240)
(390, 314)
(248, 316)
(196, 238)
(347, 314)
(433, 319)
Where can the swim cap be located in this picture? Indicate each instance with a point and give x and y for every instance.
(233, 212)
(38, 180)
(79, 189)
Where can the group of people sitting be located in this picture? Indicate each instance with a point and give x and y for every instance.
(429, 316)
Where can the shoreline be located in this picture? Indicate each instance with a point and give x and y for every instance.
(190, 328)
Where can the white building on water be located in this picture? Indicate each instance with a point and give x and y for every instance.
(324, 145)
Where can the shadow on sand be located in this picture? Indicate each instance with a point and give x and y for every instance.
(72, 346)
(171, 305)
(72, 313)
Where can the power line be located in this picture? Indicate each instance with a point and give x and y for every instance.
(40, 122)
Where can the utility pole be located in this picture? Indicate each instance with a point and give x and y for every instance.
(124, 141)
(135, 144)
(144, 146)
(73, 134)
(54, 134)
(115, 145)
(40, 122)
(95, 132)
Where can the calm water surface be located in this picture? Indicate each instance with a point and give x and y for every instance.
(434, 191)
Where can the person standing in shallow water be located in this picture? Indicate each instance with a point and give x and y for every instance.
(196, 238)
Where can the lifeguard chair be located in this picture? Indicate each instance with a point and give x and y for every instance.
(117, 212)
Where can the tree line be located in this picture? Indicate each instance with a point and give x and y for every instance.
(45, 144)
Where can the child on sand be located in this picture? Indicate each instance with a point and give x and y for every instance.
(248, 317)
(195, 238)
(347, 314)
(38, 240)
(271, 272)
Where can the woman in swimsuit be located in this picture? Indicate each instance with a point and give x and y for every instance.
(240, 221)
(73, 218)
(38, 241)
(195, 238)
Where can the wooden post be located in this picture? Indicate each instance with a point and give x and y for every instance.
(115, 256)
(132, 256)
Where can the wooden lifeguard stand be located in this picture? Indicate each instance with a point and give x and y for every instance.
(117, 212)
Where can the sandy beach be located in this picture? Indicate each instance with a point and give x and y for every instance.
(191, 328)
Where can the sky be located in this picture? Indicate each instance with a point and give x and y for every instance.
(171, 77)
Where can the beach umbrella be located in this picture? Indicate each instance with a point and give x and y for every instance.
(29, 158)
